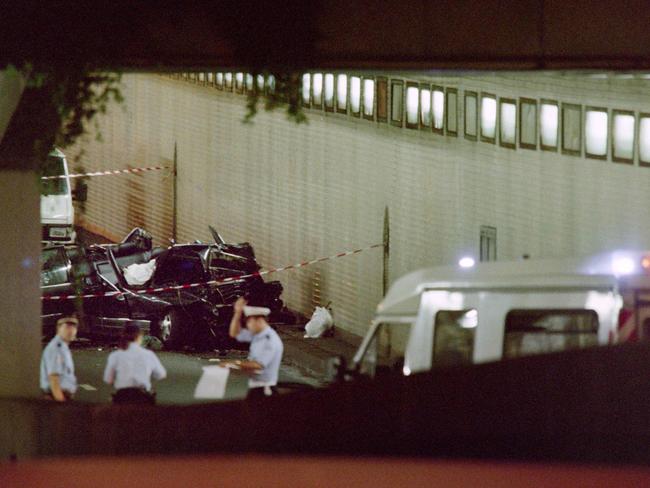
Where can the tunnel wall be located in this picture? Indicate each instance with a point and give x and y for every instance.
(300, 191)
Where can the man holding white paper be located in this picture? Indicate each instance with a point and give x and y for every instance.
(265, 355)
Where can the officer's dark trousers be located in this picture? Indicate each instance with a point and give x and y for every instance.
(134, 395)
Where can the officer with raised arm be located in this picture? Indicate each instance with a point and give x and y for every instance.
(58, 381)
(265, 355)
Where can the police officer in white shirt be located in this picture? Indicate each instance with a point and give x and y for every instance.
(265, 355)
(130, 368)
(58, 380)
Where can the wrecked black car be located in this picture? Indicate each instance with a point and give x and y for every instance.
(108, 285)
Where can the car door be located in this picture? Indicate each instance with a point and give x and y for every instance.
(114, 307)
(122, 305)
(55, 281)
(183, 266)
(86, 285)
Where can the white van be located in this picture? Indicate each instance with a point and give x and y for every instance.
(452, 315)
(57, 211)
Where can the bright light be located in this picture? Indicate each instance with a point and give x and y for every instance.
(622, 265)
(488, 117)
(329, 90)
(306, 86)
(249, 81)
(368, 97)
(645, 262)
(596, 133)
(239, 79)
(438, 109)
(624, 136)
(342, 92)
(355, 94)
(317, 87)
(412, 98)
(260, 82)
(425, 107)
(644, 139)
(466, 262)
(469, 320)
(228, 80)
(270, 83)
(406, 370)
(548, 124)
(219, 79)
(508, 122)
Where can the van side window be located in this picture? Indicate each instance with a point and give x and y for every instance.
(453, 340)
(542, 331)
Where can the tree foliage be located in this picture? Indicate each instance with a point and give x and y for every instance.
(61, 101)
(58, 103)
(286, 91)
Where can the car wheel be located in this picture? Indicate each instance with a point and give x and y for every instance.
(170, 329)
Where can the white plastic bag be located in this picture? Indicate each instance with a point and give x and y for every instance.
(212, 384)
(321, 320)
(139, 274)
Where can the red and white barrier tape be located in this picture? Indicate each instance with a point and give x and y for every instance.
(106, 173)
(213, 282)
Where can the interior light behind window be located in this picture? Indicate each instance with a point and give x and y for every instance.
(548, 115)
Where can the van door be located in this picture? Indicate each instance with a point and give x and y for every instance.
(642, 313)
(458, 324)
(382, 350)
(454, 337)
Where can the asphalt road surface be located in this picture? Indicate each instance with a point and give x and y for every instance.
(183, 373)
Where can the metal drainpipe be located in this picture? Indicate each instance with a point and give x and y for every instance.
(386, 241)
(174, 194)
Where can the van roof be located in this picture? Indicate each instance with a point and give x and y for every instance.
(56, 152)
(596, 271)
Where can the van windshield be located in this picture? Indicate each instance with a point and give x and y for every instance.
(53, 166)
(385, 352)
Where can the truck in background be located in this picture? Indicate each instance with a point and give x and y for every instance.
(450, 315)
(57, 211)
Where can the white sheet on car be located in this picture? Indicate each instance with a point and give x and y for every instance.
(139, 273)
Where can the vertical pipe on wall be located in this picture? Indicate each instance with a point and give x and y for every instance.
(174, 194)
(386, 241)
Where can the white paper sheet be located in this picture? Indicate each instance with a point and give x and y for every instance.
(212, 384)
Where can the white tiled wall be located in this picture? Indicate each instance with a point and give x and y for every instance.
(298, 192)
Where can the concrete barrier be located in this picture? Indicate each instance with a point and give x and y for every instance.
(585, 406)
